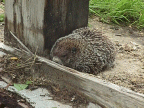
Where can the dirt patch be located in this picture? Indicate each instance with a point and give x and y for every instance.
(129, 65)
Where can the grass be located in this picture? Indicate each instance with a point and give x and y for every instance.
(1, 17)
(129, 12)
(3, 1)
(2, 14)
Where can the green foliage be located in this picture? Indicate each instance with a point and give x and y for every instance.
(3, 1)
(2, 17)
(2, 14)
(28, 82)
(141, 20)
(22, 86)
(119, 11)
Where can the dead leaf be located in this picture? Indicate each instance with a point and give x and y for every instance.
(14, 58)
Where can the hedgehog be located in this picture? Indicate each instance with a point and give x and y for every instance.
(85, 50)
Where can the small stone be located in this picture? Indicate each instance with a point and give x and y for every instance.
(127, 47)
(134, 80)
(118, 35)
(117, 44)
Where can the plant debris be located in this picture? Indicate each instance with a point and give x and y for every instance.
(19, 72)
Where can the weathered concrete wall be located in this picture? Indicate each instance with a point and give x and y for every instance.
(39, 23)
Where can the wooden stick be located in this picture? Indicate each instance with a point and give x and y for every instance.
(21, 43)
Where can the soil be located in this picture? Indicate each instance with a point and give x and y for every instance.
(129, 64)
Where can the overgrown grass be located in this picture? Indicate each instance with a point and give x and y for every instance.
(130, 12)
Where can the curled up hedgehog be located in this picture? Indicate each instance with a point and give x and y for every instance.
(84, 50)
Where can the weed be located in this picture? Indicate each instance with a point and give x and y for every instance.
(1, 17)
(119, 11)
(2, 14)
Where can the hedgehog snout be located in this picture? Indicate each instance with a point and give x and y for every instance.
(57, 60)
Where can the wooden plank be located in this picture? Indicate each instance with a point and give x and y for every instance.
(102, 92)
(39, 23)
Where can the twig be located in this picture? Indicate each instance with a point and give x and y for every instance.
(21, 43)
(35, 56)
(29, 59)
